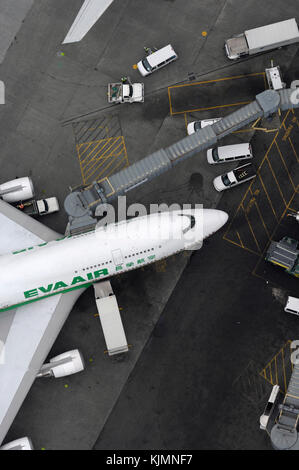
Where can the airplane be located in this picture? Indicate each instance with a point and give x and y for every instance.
(88, 15)
(43, 274)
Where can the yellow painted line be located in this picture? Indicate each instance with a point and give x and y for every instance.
(250, 227)
(113, 157)
(244, 248)
(276, 372)
(211, 107)
(84, 145)
(267, 195)
(255, 122)
(293, 210)
(293, 148)
(270, 370)
(218, 80)
(186, 122)
(292, 396)
(260, 215)
(242, 245)
(170, 104)
(106, 141)
(101, 158)
(285, 165)
(274, 176)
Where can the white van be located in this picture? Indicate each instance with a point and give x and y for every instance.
(156, 60)
(229, 153)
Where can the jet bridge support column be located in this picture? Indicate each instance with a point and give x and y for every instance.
(113, 329)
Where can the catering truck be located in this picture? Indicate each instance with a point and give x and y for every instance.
(262, 39)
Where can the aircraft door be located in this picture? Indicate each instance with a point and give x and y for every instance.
(117, 257)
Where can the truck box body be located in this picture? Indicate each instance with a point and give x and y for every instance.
(272, 36)
(262, 39)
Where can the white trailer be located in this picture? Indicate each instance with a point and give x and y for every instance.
(110, 318)
(262, 39)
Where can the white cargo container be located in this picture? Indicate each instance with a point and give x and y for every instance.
(262, 39)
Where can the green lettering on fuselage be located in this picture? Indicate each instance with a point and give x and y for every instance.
(44, 290)
(30, 293)
(60, 285)
(79, 279)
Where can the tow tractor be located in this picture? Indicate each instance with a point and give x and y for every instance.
(40, 207)
(125, 92)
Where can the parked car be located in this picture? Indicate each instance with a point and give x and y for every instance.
(235, 177)
(195, 126)
(229, 153)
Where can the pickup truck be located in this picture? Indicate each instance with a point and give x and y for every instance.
(235, 177)
(125, 93)
(40, 207)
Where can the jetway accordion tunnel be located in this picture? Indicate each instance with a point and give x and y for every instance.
(82, 202)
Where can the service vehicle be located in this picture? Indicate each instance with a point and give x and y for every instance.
(229, 153)
(262, 39)
(195, 126)
(40, 207)
(274, 78)
(235, 177)
(125, 92)
(292, 305)
(269, 408)
(157, 60)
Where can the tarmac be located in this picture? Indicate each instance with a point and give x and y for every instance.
(192, 378)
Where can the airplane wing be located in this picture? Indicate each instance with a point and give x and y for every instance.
(89, 14)
(27, 332)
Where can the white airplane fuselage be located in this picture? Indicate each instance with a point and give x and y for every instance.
(73, 262)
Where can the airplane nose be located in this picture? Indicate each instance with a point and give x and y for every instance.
(213, 220)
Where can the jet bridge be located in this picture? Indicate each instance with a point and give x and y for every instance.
(284, 434)
(82, 203)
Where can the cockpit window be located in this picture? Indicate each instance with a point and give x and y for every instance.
(192, 222)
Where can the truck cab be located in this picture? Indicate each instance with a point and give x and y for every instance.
(47, 206)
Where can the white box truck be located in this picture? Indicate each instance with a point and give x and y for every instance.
(262, 39)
